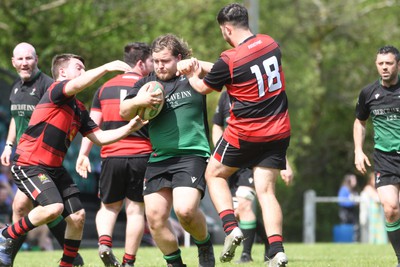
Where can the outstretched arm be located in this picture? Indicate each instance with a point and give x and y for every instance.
(101, 137)
(195, 70)
(78, 84)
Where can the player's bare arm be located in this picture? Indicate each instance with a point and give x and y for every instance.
(82, 166)
(195, 70)
(101, 137)
(359, 156)
(91, 76)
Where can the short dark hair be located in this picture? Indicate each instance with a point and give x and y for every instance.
(236, 14)
(62, 60)
(176, 45)
(389, 49)
(133, 52)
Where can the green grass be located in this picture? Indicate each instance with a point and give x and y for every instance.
(300, 255)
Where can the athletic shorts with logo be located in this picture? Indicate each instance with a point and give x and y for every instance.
(386, 166)
(184, 171)
(47, 186)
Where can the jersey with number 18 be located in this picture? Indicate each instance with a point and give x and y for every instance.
(253, 76)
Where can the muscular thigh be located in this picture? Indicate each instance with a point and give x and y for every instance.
(158, 204)
(389, 195)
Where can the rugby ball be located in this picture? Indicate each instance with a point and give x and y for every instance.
(148, 113)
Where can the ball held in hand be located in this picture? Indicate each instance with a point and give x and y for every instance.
(148, 113)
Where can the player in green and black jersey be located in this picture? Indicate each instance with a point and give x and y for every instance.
(380, 100)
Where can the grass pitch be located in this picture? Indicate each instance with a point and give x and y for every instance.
(300, 255)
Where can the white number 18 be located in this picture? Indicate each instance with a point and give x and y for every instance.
(271, 68)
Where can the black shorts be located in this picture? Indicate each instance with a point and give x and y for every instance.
(122, 178)
(386, 165)
(250, 154)
(242, 177)
(45, 186)
(185, 171)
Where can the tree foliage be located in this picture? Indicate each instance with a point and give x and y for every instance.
(328, 56)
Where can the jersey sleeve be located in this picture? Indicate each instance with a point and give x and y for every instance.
(362, 110)
(88, 125)
(56, 93)
(218, 76)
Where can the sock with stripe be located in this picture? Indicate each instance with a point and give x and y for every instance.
(19, 228)
(57, 228)
(105, 240)
(229, 221)
(128, 259)
(249, 232)
(203, 243)
(275, 245)
(71, 248)
(174, 258)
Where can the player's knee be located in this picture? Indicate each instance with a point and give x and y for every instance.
(156, 219)
(185, 215)
(53, 210)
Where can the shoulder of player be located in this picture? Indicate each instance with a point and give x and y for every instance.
(371, 87)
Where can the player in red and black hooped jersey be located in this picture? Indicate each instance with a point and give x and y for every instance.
(54, 124)
(255, 82)
(107, 100)
(123, 163)
(258, 131)
(37, 168)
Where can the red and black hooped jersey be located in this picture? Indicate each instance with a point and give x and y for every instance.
(55, 122)
(253, 76)
(107, 100)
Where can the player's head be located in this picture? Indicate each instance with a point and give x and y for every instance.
(25, 61)
(167, 50)
(234, 14)
(67, 66)
(387, 64)
(138, 55)
(230, 17)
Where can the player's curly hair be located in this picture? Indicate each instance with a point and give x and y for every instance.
(177, 45)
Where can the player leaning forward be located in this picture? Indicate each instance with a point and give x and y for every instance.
(175, 173)
(38, 169)
(258, 131)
